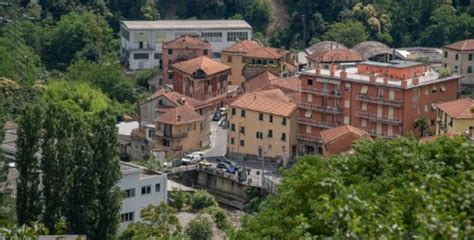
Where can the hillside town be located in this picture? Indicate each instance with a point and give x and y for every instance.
(228, 121)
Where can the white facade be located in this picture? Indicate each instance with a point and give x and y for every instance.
(141, 188)
(141, 41)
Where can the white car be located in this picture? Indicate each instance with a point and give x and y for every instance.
(192, 158)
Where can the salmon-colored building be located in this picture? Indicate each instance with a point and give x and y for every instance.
(181, 49)
(201, 78)
(384, 99)
(340, 139)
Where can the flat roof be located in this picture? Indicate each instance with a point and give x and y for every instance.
(126, 128)
(186, 24)
(130, 168)
(394, 63)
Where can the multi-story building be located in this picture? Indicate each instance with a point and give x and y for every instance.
(455, 116)
(384, 99)
(141, 41)
(337, 56)
(269, 81)
(234, 57)
(201, 78)
(141, 188)
(182, 49)
(459, 58)
(263, 124)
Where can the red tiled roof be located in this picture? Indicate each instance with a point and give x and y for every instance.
(203, 63)
(336, 55)
(458, 109)
(465, 45)
(244, 46)
(270, 101)
(267, 53)
(330, 135)
(289, 67)
(176, 97)
(179, 115)
(268, 80)
(187, 42)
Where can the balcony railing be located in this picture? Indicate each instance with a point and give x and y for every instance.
(309, 138)
(387, 119)
(379, 100)
(319, 108)
(171, 136)
(321, 92)
(315, 123)
(144, 46)
(373, 133)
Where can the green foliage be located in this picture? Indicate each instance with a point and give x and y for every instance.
(220, 217)
(202, 199)
(14, 97)
(396, 189)
(422, 124)
(24, 232)
(199, 229)
(349, 33)
(158, 222)
(256, 199)
(179, 199)
(143, 77)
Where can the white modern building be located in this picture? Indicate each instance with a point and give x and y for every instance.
(141, 188)
(141, 41)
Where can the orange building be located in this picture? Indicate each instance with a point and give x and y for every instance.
(384, 99)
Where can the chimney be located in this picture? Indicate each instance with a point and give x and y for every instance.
(182, 101)
(332, 70)
(404, 84)
(372, 79)
(343, 73)
(415, 81)
(318, 69)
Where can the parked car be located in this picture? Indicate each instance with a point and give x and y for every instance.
(232, 163)
(226, 167)
(223, 111)
(177, 163)
(192, 158)
(205, 163)
(217, 116)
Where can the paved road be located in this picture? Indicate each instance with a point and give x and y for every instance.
(218, 140)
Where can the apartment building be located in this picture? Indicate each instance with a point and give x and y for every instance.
(201, 78)
(337, 56)
(234, 57)
(268, 81)
(459, 58)
(262, 124)
(455, 117)
(141, 188)
(141, 41)
(384, 99)
(181, 49)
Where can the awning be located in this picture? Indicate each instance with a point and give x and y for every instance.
(364, 90)
(308, 114)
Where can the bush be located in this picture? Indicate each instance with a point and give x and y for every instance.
(202, 199)
(220, 217)
(199, 229)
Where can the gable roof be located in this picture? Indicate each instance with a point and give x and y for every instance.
(187, 42)
(465, 45)
(336, 55)
(330, 135)
(187, 24)
(268, 80)
(271, 101)
(203, 63)
(458, 109)
(179, 115)
(267, 53)
(244, 46)
(176, 98)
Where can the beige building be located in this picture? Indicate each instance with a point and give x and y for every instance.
(234, 57)
(459, 58)
(455, 117)
(263, 124)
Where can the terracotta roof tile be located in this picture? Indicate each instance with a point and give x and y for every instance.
(203, 63)
(179, 115)
(187, 42)
(330, 135)
(270, 101)
(244, 46)
(336, 55)
(268, 80)
(465, 45)
(458, 109)
(289, 67)
(176, 97)
(323, 46)
(267, 53)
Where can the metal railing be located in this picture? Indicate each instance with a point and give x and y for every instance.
(388, 119)
(319, 108)
(315, 123)
(379, 100)
(321, 92)
(173, 135)
(309, 137)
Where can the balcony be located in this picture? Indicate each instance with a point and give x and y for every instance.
(309, 138)
(373, 117)
(143, 47)
(379, 100)
(321, 92)
(373, 133)
(315, 123)
(319, 108)
(171, 136)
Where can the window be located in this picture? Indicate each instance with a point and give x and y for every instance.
(470, 57)
(364, 90)
(146, 190)
(443, 88)
(347, 86)
(140, 56)
(347, 103)
(363, 123)
(157, 56)
(271, 118)
(129, 193)
(170, 76)
(242, 113)
(445, 54)
(233, 111)
(170, 51)
(426, 107)
(310, 82)
(142, 148)
(212, 36)
(229, 59)
(242, 143)
(242, 130)
(457, 56)
(308, 114)
(270, 133)
(259, 135)
(283, 136)
(205, 52)
(283, 122)
(364, 106)
(347, 120)
(232, 127)
(309, 97)
(434, 89)
(233, 36)
(232, 141)
(308, 129)
(260, 116)
(157, 187)
(379, 92)
(127, 217)
(469, 69)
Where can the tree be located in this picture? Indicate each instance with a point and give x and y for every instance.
(390, 189)
(158, 221)
(149, 10)
(422, 124)
(202, 199)
(28, 192)
(199, 229)
(348, 33)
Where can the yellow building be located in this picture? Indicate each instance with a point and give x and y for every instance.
(263, 124)
(455, 117)
(234, 57)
